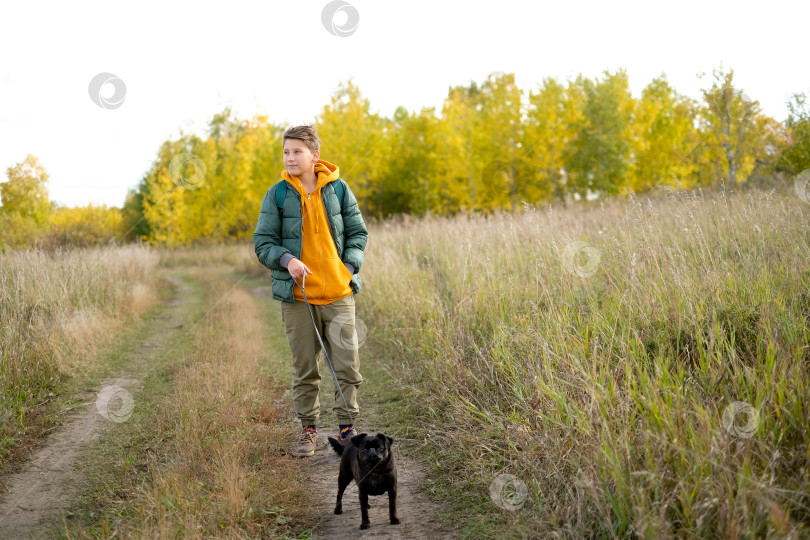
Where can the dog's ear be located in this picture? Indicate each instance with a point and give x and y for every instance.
(357, 440)
(385, 440)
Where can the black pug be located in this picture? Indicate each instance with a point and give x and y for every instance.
(368, 461)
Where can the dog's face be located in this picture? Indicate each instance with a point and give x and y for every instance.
(372, 450)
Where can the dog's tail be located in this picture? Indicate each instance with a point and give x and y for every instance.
(336, 445)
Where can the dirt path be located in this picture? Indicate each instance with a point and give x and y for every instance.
(34, 503)
(36, 496)
(413, 509)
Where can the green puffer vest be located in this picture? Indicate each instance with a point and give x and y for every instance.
(279, 234)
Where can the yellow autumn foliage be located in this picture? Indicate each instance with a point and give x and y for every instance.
(84, 226)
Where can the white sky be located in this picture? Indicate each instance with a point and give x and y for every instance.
(182, 62)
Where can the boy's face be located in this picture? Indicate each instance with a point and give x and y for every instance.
(298, 158)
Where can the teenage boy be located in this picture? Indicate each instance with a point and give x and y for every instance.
(313, 235)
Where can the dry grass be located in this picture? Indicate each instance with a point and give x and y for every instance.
(58, 310)
(240, 256)
(220, 469)
(599, 377)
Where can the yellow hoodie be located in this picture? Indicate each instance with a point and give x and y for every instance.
(329, 280)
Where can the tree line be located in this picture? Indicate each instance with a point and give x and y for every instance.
(491, 147)
(28, 218)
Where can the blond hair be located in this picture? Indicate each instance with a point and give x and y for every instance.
(306, 133)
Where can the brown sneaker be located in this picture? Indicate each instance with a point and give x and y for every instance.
(306, 443)
(345, 438)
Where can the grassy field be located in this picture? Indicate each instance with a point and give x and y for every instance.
(58, 311)
(204, 452)
(633, 368)
(637, 368)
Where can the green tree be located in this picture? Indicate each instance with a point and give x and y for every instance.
(551, 120)
(407, 183)
(663, 135)
(26, 192)
(484, 133)
(599, 157)
(456, 176)
(501, 111)
(215, 193)
(25, 203)
(729, 118)
(795, 150)
(489, 149)
(352, 139)
(165, 202)
(134, 225)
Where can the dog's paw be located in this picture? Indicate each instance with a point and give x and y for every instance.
(365, 526)
(338, 510)
(394, 521)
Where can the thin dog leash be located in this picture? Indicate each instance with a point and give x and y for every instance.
(328, 362)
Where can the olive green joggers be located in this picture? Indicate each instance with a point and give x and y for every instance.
(336, 324)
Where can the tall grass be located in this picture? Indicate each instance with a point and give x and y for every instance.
(239, 256)
(57, 310)
(215, 464)
(598, 372)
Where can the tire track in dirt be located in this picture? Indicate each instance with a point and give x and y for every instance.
(36, 496)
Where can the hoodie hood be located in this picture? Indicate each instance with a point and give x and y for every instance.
(325, 171)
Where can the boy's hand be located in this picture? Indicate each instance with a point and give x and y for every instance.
(296, 268)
